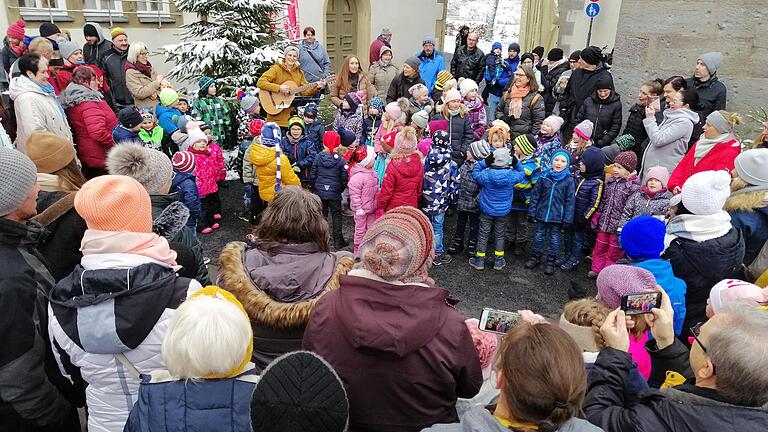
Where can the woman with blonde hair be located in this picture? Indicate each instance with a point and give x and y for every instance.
(140, 78)
(460, 132)
(280, 275)
(762, 140)
(522, 106)
(351, 79)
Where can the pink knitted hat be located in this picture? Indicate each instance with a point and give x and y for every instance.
(405, 141)
(617, 280)
(659, 173)
(732, 291)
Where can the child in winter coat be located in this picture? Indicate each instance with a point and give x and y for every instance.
(252, 202)
(517, 225)
(642, 239)
(299, 149)
(130, 124)
(167, 110)
(273, 169)
(589, 192)
(652, 199)
(185, 184)
(459, 125)
(581, 142)
(552, 205)
(349, 118)
(313, 127)
(372, 120)
(151, 134)
(498, 138)
(441, 181)
(363, 189)
(419, 99)
(496, 184)
(329, 178)
(548, 140)
(618, 188)
(404, 175)
(467, 205)
(248, 112)
(212, 110)
(474, 103)
(209, 170)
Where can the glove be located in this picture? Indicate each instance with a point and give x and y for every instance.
(296, 168)
(360, 212)
(489, 160)
(513, 161)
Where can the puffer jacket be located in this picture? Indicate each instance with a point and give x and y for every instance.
(721, 157)
(114, 70)
(469, 189)
(92, 122)
(122, 135)
(523, 189)
(496, 187)
(62, 76)
(314, 133)
(265, 161)
(750, 215)
(370, 127)
(549, 77)
(640, 204)
(545, 148)
(399, 86)
(7, 58)
(363, 189)
(302, 154)
(94, 54)
(589, 192)
(329, 176)
(531, 116)
(441, 181)
(430, 66)
(353, 122)
(209, 168)
(381, 75)
(169, 220)
(36, 110)
(271, 80)
(605, 115)
(402, 182)
(135, 297)
(668, 141)
(468, 63)
(553, 201)
(165, 403)
(460, 135)
(479, 419)
(477, 117)
(279, 290)
(185, 185)
(166, 118)
(144, 89)
(673, 286)
(581, 85)
(616, 193)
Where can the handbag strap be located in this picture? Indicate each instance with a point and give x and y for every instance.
(128, 365)
(315, 59)
(56, 210)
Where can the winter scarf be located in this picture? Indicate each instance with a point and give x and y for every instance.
(18, 49)
(49, 183)
(697, 227)
(149, 245)
(145, 69)
(704, 145)
(48, 89)
(557, 176)
(516, 102)
(650, 194)
(439, 185)
(453, 113)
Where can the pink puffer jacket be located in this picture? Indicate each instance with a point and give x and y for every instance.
(209, 168)
(363, 189)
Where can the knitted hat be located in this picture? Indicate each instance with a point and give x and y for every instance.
(604, 82)
(271, 137)
(563, 153)
(436, 125)
(168, 96)
(594, 162)
(428, 40)
(421, 118)
(296, 121)
(592, 55)
(627, 159)
(375, 102)
(299, 392)
(248, 102)
(514, 46)
(386, 31)
(441, 140)
(625, 142)
(49, 152)
(183, 162)
(575, 56)
(659, 173)
(451, 95)
(417, 90)
(502, 124)
(712, 60)
(290, 48)
(555, 121)
(719, 122)
(115, 203)
(129, 117)
(399, 245)
(751, 166)
(370, 155)
(555, 54)
(442, 77)
(525, 57)
(495, 130)
(195, 133)
(539, 50)
(526, 143)
(393, 110)
(353, 99)
(584, 129)
(255, 127)
(149, 167)
(310, 110)
(480, 149)
(501, 158)
(48, 29)
(117, 31)
(67, 48)
(642, 238)
(466, 85)
(704, 193)
(147, 114)
(16, 30)
(413, 62)
(204, 82)
(331, 141)
(496, 46)
(17, 179)
(617, 280)
(405, 144)
(347, 136)
(734, 291)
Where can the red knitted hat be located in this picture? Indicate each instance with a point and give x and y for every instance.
(331, 141)
(16, 30)
(255, 127)
(183, 161)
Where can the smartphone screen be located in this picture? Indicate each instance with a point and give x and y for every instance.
(640, 303)
(655, 104)
(498, 321)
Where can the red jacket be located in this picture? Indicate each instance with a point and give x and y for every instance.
(402, 183)
(92, 121)
(60, 77)
(721, 157)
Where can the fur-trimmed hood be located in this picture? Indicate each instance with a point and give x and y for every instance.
(172, 220)
(741, 200)
(263, 308)
(75, 94)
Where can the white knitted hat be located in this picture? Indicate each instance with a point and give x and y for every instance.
(704, 193)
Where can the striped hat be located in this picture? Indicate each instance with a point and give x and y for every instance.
(117, 31)
(442, 77)
(480, 149)
(270, 137)
(183, 162)
(204, 83)
(147, 114)
(526, 143)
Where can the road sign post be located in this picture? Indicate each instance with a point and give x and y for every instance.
(592, 10)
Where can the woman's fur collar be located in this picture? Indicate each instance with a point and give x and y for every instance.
(748, 201)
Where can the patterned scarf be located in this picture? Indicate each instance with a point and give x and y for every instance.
(516, 100)
(145, 69)
(698, 228)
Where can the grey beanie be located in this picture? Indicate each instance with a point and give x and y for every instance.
(149, 167)
(413, 62)
(290, 48)
(501, 157)
(18, 175)
(712, 60)
(67, 47)
(752, 166)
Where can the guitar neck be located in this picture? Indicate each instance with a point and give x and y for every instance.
(303, 88)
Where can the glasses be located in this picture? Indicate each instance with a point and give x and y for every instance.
(695, 331)
(143, 52)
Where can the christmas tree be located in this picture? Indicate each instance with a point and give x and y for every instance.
(233, 41)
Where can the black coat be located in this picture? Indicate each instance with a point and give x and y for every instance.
(549, 79)
(61, 248)
(605, 116)
(712, 97)
(460, 134)
(531, 116)
(581, 86)
(399, 86)
(329, 176)
(468, 64)
(114, 71)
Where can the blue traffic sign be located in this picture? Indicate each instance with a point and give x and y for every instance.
(592, 10)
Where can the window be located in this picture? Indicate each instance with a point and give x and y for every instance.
(103, 7)
(153, 7)
(43, 7)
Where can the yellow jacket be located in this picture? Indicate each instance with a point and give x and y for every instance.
(271, 80)
(265, 161)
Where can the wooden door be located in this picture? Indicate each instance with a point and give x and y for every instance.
(341, 31)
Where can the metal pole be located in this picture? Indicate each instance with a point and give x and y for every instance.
(589, 35)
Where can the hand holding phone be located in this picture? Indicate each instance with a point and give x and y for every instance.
(640, 303)
(655, 104)
(498, 321)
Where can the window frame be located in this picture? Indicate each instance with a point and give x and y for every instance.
(39, 10)
(116, 11)
(164, 6)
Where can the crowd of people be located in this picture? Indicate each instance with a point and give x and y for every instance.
(109, 180)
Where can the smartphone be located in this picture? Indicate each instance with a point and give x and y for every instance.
(640, 303)
(655, 104)
(498, 321)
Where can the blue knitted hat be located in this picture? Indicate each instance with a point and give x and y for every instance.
(204, 83)
(563, 153)
(643, 238)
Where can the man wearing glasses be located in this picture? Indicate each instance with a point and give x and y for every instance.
(468, 60)
(726, 372)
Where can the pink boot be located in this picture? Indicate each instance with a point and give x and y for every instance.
(206, 230)
(217, 216)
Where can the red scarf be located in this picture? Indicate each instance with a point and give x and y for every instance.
(19, 49)
(146, 69)
(650, 194)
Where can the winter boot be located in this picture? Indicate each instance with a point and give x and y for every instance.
(549, 266)
(499, 263)
(477, 262)
(569, 265)
(456, 247)
(442, 258)
(533, 262)
(472, 248)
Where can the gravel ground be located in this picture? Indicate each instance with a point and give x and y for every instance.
(510, 289)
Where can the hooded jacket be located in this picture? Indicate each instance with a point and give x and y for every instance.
(329, 176)
(381, 75)
(673, 286)
(314, 70)
(441, 181)
(402, 185)
(363, 189)
(403, 352)
(185, 186)
(479, 419)
(553, 201)
(497, 74)
(640, 204)
(36, 110)
(166, 118)
(582, 85)
(668, 141)
(114, 70)
(605, 115)
(92, 122)
(209, 168)
(264, 160)
(749, 214)
(128, 299)
(279, 291)
(430, 66)
(94, 54)
(721, 157)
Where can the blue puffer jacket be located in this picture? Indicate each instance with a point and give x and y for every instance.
(165, 404)
(166, 118)
(329, 176)
(497, 186)
(589, 191)
(186, 186)
(302, 154)
(553, 200)
(314, 133)
(497, 74)
(673, 286)
(429, 67)
(122, 135)
(522, 197)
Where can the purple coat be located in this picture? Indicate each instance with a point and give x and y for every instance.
(615, 195)
(641, 204)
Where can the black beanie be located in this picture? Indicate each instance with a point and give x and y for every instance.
(555, 54)
(592, 55)
(90, 30)
(539, 50)
(129, 117)
(604, 82)
(526, 56)
(575, 56)
(48, 29)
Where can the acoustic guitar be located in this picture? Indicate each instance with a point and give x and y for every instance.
(274, 102)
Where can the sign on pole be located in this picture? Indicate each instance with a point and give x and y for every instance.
(592, 10)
